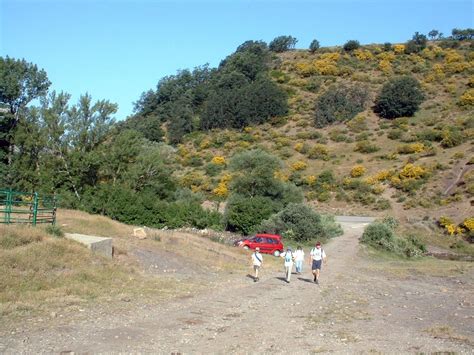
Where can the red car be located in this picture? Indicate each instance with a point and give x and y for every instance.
(268, 243)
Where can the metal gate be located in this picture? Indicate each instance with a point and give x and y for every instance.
(29, 208)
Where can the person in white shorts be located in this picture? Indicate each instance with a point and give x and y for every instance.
(257, 261)
(318, 256)
(288, 255)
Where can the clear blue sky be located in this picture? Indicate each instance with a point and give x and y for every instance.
(115, 50)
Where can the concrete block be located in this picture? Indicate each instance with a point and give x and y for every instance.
(98, 245)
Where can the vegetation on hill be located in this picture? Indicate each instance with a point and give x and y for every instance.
(357, 128)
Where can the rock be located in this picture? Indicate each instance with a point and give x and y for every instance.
(139, 233)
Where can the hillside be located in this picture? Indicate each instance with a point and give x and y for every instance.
(365, 156)
(380, 130)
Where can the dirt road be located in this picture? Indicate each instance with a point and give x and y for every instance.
(356, 307)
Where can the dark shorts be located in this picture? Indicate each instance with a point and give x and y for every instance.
(316, 265)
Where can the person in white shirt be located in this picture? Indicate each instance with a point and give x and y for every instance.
(318, 256)
(299, 258)
(257, 261)
(288, 255)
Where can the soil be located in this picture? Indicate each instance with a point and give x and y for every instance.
(358, 307)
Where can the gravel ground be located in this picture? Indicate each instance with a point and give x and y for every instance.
(356, 308)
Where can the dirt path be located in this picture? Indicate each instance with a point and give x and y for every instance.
(355, 308)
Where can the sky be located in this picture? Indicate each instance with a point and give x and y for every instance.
(115, 50)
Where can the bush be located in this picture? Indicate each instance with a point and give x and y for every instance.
(381, 236)
(351, 45)
(399, 97)
(282, 44)
(339, 103)
(451, 137)
(366, 147)
(55, 231)
(314, 46)
(244, 214)
(303, 221)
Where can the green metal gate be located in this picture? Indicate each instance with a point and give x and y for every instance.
(29, 208)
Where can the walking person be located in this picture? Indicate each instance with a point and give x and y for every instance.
(318, 256)
(299, 258)
(257, 261)
(288, 255)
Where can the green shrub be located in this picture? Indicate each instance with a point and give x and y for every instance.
(55, 231)
(451, 137)
(379, 236)
(244, 214)
(431, 135)
(399, 97)
(304, 223)
(340, 103)
(351, 45)
(395, 134)
(366, 147)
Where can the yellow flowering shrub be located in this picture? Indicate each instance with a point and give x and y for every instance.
(325, 67)
(444, 221)
(469, 223)
(399, 48)
(452, 56)
(332, 57)
(467, 99)
(318, 151)
(380, 176)
(299, 147)
(385, 66)
(248, 129)
(357, 171)
(388, 56)
(411, 171)
(183, 151)
(206, 143)
(363, 54)
(411, 148)
(221, 190)
(299, 165)
(452, 229)
(457, 67)
(218, 160)
(305, 68)
(310, 180)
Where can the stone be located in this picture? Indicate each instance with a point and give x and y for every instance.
(99, 245)
(139, 233)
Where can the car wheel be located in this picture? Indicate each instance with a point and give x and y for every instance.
(246, 247)
(276, 253)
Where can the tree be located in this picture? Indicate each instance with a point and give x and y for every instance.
(20, 83)
(255, 192)
(461, 35)
(399, 97)
(282, 44)
(433, 34)
(416, 44)
(339, 103)
(314, 46)
(351, 45)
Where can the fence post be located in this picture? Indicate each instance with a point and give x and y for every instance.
(35, 207)
(8, 206)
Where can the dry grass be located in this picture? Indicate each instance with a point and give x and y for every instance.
(447, 332)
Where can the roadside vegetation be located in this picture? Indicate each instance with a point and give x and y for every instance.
(353, 129)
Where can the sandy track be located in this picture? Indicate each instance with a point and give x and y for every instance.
(354, 309)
